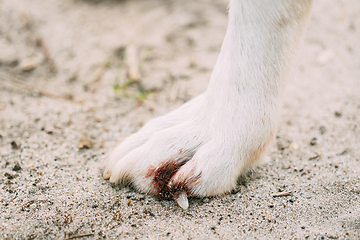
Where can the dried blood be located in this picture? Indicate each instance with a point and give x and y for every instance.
(161, 177)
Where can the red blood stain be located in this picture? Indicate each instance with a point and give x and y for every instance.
(161, 177)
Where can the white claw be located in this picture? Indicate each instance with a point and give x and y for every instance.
(182, 201)
(113, 179)
(106, 174)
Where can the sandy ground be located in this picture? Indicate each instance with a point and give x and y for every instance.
(65, 103)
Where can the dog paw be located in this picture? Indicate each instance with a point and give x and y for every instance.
(195, 150)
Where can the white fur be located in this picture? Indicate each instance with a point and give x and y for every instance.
(220, 134)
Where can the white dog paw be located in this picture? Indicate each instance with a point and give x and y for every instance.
(195, 150)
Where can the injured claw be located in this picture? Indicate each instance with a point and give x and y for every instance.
(182, 201)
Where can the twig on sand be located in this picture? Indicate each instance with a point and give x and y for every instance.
(112, 205)
(281, 194)
(81, 235)
(99, 72)
(40, 43)
(133, 62)
(314, 157)
(31, 88)
(68, 236)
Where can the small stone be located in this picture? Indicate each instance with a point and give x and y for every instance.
(17, 167)
(295, 146)
(85, 143)
(337, 114)
(282, 144)
(30, 63)
(205, 200)
(14, 145)
(8, 175)
(313, 141)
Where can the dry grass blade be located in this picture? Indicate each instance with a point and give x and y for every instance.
(31, 88)
(133, 62)
(81, 235)
(281, 194)
(40, 43)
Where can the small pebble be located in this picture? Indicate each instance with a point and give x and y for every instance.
(17, 167)
(29, 64)
(14, 145)
(313, 141)
(295, 146)
(338, 114)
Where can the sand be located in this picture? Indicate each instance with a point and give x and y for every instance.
(65, 103)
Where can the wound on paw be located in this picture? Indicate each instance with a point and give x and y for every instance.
(161, 178)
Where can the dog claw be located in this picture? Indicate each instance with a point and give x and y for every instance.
(106, 174)
(182, 201)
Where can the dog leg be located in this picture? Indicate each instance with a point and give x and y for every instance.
(201, 148)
